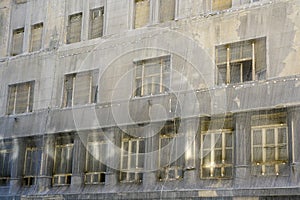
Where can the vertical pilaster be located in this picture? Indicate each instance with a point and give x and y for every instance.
(113, 159)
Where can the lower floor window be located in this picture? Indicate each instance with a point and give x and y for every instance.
(32, 165)
(5, 166)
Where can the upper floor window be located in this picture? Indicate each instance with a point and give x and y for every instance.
(216, 148)
(141, 13)
(36, 37)
(63, 161)
(5, 166)
(152, 76)
(132, 158)
(20, 98)
(17, 41)
(241, 61)
(80, 88)
(269, 144)
(74, 28)
(171, 152)
(167, 10)
(32, 165)
(96, 23)
(97, 149)
(221, 4)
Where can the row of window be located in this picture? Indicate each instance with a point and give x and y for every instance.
(176, 152)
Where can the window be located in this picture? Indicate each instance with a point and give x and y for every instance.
(242, 61)
(32, 165)
(97, 149)
(216, 148)
(269, 146)
(63, 161)
(132, 159)
(5, 166)
(152, 76)
(142, 13)
(96, 23)
(171, 152)
(36, 37)
(167, 10)
(80, 88)
(20, 98)
(17, 42)
(74, 28)
(221, 4)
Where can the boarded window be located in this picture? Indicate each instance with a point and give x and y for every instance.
(152, 76)
(17, 42)
(32, 165)
(80, 88)
(132, 159)
(20, 98)
(167, 10)
(97, 150)
(171, 152)
(74, 28)
(5, 166)
(269, 144)
(36, 37)
(142, 13)
(242, 61)
(216, 148)
(221, 4)
(63, 161)
(96, 23)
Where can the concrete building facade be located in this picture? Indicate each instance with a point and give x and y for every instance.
(149, 99)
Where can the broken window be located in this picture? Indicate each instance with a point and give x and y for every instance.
(241, 62)
(152, 76)
(269, 144)
(96, 23)
(5, 166)
(142, 13)
(32, 165)
(74, 28)
(221, 4)
(17, 41)
(80, 88)
(36, 37)
(132, 158)
(63, 161)
(167, 10)
(20, 98)
(216, 148)
(171, 152)
(97, 149)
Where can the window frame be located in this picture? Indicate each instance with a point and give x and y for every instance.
(160, 12)
(15, 33)
(91, 20)
(30, 179)
(69, 27)
(4, 180)
(34, 27)
(134, 25)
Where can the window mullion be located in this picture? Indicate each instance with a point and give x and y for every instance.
(28, 97)
(143, 79)
(129, 159)
(15, 100)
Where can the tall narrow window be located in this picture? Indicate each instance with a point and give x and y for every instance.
(269, 144)
(142, 13)
(63, 161)
(36, 37)
(74, 28)
(20, 98)
(96, 23)
(242, 61)
(152, 76)
(167, 10)
(216, 148)
(221, 4)
(171, 152)
(17, 42)
(5, 166)
(80, 88)
(32, 165)
(132, 159)
(97, 149)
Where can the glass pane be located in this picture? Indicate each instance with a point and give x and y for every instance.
(206, 141)
(247, 70)
(270, 139)
(125, 162)
(235, 73)
(228, 156)
(207, 158)
(282, 135)
(257, 137)
(222, 74)
(228, 139)
(270, 154)
(283, 156)
(205, 172)
(257, 154)
(218, 140)
(217, 172)
(228, 171)
(218, 156)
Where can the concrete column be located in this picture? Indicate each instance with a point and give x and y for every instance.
(47, 160)
(242, 149)
(85, 20)
(17, 157)
(113, 162)
(27, 27)
(78, 165)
